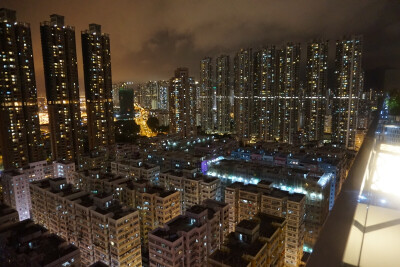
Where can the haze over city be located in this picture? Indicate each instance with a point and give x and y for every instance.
(151, 38)
(199, 133)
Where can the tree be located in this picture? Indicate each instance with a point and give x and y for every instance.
(126, 131)
(153, 124)
(394, 103)
(164, 129)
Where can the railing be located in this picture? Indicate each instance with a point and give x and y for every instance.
(330, 247)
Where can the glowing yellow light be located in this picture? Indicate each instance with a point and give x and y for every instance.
(386, 174)
(141, 120)
(43, 118)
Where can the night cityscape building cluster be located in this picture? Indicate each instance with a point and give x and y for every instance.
(272, 103)
(242, 167)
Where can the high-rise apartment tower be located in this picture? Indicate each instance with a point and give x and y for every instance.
(20, 140)
(349, 84)
(206, 95)
(62, 88)
(315, 89)
(98, 87)
(182, 104)
(223, 85)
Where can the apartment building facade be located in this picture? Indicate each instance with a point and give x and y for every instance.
(99, 226)
(136, 169)
(256, 242)
(156, 206)
(194, 187)
(189, 239)
(246, 201)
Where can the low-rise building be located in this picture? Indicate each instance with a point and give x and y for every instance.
(124, 150)
(319, 181)
(170, 160)
(162, 116)
(222, 210)
(28, 244)
(246, 201)
(103, 229)
(96, 159)
(64, 169)
(136, 169)
(194, 187)
(257, 242)
(155, 205)
(8, 215)
(15, 183)
(188, 240)
(97, 181)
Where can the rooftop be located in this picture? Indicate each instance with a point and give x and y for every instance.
(230, 259)
(115, 210)
(296, 197)
(238, 247)
(269, 224)
(12, 172)
(211, 203)
(236, 185)
(196, 209)
(265, 183)
(6, 210)
(182, 223)
(170, 233)
(57, 185)
(234, 250)
(84, 200)
(98, 264)
(276, 193)
(159, 190)
(47, 247)
(97, 173)
(248, 224)
(175, 173)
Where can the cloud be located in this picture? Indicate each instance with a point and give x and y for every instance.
(149, 39)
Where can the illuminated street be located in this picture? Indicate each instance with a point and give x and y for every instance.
(142, 115)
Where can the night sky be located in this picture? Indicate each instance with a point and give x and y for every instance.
(149, 39)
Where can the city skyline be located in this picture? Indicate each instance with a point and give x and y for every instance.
(255, 148)
(157, 48)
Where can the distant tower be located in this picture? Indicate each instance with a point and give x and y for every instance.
(222, 77)
(162, 95)
(206, 95)
(98, 87)
(349, 85)
(243, 90)
(288, 92)
(62, 88)
(148, 90)
(115, 95)
(316, 89)
(20, 140)
(126, 100)
(182, 104)
(265, 88)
